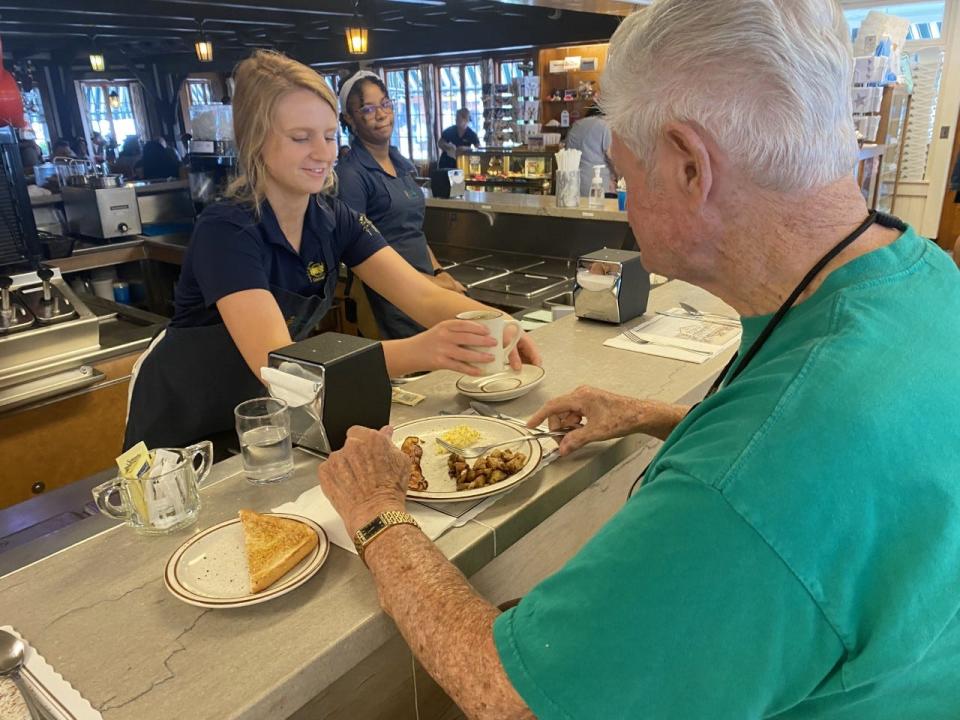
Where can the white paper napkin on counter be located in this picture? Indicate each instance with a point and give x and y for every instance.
(56, 697)
(674, 335)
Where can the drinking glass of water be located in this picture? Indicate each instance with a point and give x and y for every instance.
(263, 425)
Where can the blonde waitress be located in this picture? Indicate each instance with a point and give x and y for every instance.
(261, 268)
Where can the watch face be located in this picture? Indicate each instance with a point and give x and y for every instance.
(373, 527)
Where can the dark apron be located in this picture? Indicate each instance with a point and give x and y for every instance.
(407, 209)
(189, 384)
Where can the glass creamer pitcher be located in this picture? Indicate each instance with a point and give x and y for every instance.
(163, 500)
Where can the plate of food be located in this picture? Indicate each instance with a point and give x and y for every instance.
(441, 476)
(247, 560)
(501, 386)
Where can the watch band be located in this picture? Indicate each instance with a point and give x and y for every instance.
(375, 527)
(438, 271)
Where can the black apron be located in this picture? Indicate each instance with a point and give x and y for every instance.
(190, 382)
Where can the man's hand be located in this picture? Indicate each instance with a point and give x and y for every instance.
(607, 416)
(365, 478)
(448, 282)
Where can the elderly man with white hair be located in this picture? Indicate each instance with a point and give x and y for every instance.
(794, 551)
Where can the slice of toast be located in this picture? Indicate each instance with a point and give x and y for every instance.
(274, 546)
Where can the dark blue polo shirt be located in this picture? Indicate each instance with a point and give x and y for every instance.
(450, 135)
(396, 206)
(232, 251)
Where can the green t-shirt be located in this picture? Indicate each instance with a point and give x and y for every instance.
(795, 549)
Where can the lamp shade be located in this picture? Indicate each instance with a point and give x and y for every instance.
(357, 40)
(96, 62)
(114, 99)
(204, 49)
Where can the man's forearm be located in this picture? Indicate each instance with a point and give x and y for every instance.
(656, 418)
(446, 624)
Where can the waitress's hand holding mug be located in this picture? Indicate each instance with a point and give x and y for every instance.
(467, 345)
(511, 346)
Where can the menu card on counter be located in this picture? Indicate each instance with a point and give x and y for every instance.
(676, 334)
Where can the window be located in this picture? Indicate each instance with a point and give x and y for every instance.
(510, 70)
(926, 18)
(33, 110)
(117, 123)
(199, 91)
(332, 80)
(410, 131)
(460, 88)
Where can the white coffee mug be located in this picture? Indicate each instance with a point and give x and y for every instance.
(496, 322)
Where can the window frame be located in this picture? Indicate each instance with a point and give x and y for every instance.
(411, 139)
(139, 124)
(476, 113)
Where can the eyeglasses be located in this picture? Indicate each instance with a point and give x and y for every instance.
(368, 110)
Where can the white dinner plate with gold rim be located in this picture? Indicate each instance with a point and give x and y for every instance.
(501, 386)
(440, 486)
(210, 569)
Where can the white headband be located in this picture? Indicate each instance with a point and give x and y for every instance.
(348, 86)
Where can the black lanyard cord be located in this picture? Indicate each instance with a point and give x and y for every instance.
(887, 221)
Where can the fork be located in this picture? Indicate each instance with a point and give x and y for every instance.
(700, 313)
(634, 338)
(473, 452)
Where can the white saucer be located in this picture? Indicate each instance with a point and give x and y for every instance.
(505, 385)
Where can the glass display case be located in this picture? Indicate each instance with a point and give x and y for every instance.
(507, 169)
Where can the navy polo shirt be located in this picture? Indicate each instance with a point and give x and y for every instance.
(232, 251)
(450, 135)
(395, 204)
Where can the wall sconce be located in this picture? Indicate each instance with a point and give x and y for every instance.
(357, 40)
(96, 62)
(114, 99)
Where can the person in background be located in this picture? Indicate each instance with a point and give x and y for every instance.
(157, 162)
(98, 145)
(81, 149)
(459, 135)
(377, 181)
(591, 136)
(129, 157)
(30, 154)
(62, 149)
(794, 549)
(262, 267)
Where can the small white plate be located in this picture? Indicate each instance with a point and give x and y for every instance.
(505, 385)
(210, 569)
(440, 486)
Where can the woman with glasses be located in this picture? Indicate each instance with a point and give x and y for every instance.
(261, 269)
(376, 180)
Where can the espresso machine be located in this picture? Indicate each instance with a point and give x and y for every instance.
(45, 330)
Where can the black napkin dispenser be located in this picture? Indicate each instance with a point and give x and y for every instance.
(352, 388)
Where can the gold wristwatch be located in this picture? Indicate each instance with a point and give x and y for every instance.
(381, 522)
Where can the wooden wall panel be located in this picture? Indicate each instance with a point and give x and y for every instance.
(61, 441)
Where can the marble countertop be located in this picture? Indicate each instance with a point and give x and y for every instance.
(518, 204)
(100, 614)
